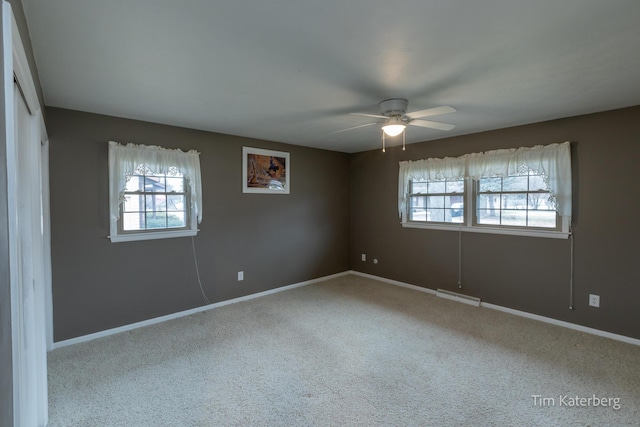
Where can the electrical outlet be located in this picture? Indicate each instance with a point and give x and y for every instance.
(594, 300)
(364, 257)
(240, 276)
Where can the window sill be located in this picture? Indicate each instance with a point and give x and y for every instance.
(490, 230)
(131, 237)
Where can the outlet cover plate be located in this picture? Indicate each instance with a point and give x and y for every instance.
(594, 300)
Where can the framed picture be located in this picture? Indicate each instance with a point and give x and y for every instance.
(265, 171)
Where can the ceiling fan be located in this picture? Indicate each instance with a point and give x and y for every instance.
(394, 118)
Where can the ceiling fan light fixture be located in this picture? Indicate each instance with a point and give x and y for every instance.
(394, 126)
(393, 130)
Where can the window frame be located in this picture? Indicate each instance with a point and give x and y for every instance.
(146, 158)
(428, 194)
(475, 221)
(187, 202)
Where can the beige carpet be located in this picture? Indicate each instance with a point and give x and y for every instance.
(347, 351)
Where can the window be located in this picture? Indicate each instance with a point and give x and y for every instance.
(520, 200)
(154, 192)
(525, 191)
(437, 201)
(155, 201)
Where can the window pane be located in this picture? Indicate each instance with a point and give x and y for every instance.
(156, 220)
(514, 201)
(435, 202)
(545, 219)
(154, 184)
(419, 187)
(513, 217)
(135, 183)
(490, 184)
(418, 202)
(134, 203)
(537, 183)
(436, 215)
(436, 187)
(455, 186)
(176, 220)
(540, 201)
(156, 202)
(175, 203)
(490, 202)
(515, 183)
(486, 216)
(457, 211)
(133, 221)
(418, 215)
(175, 185)
(450, 200)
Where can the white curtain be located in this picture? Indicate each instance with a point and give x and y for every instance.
(125, 159)
(552, 161)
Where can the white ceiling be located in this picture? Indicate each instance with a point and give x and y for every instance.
(292, 70)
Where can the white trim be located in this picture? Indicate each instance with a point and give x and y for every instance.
(155, 320)
(23, 72)
(454, 296)
(151, 235)
(562, 323)
(490, 230)
(532, 316)
(46, 213)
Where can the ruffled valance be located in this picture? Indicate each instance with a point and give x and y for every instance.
(552, 161)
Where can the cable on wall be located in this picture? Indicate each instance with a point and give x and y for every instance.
(570, 267)
(195, 261)
(460, 259)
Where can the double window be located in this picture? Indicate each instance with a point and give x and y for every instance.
(524, 191)
(154, 192)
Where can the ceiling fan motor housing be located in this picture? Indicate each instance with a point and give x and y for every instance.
(394, 107)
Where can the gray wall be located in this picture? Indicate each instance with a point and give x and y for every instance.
(523, 273)
(323, 227)
(275, 239)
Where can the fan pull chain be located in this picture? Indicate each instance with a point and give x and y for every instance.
(383, 148)
(404, 132)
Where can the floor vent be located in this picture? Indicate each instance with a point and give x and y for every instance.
(458, 297)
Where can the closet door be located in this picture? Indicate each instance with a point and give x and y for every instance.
(22, 255)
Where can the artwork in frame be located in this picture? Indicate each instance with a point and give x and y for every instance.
(265, 171)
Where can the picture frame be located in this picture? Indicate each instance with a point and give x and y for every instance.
(265, 171)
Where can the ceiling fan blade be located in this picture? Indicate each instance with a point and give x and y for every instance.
(377, 116)
(355, 127)
(435, 111)
(431, 125)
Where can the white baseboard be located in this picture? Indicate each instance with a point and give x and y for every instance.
(177, 315)
(454, 296)
(160, 319)
(537, 317)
